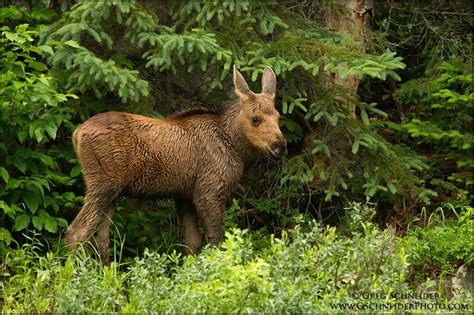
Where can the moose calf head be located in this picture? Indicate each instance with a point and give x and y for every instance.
(258, 115)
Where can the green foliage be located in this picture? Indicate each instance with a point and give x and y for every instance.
(86, 71)
(208, 38)
(36, 13)
(359, 216)
(425, 31)
(306, 270)
(443, 119)
(140, 225)
(191, 48)
(32, 117)
(97, 74)
(444, 244)
(355, 157)
(156, 57)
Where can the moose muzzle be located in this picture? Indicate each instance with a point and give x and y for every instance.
(278, 148)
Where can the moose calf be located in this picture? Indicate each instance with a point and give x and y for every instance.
(196, 156)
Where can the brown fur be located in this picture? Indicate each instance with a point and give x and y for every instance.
(196, 156)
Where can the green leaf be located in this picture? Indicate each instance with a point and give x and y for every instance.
(46, 160)
(22, 134)
(364, 117)
(4, 174)
(319, 116)
(11, 36)
(285, 107)
(21, 222)
(332, 120)
(46, 98)
(46, 49)
(38, 222)
(31, 201)
(39, 136)
(5, 236)
(355, 147)
(18, 70)
(35, 187)
(51, 225)
(52, 130)
(39, 66)
(315, 70)
(76, 170)
(393, 125)
(326, 151)
(6, 209)
(62, 222)
(72, 44)
(392, 188)
(20, 163)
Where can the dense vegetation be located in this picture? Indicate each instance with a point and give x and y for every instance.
(374, 196)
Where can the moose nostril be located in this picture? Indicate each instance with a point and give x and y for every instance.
(279, 147)
(277, 151)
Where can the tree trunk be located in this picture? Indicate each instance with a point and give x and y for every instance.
(356, 23)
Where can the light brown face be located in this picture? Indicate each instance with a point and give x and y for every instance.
(258, 116)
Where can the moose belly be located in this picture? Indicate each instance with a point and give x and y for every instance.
(162, 180)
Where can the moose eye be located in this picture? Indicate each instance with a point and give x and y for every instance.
(255, 121)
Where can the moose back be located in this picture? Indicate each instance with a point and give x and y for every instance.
(196, 156)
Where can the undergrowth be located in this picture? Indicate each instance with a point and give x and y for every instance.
(308, 269)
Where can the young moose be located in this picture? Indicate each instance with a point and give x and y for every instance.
(196, 156)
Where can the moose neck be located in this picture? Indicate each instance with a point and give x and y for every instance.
(233, 131)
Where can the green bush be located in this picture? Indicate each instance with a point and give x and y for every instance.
(36, 169)
(445, 244)
(305, 270)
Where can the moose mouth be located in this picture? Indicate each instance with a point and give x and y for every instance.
(273, 155)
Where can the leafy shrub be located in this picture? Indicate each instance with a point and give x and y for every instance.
(309, 269)
(305, 270)
(34, 165)
(444, 244)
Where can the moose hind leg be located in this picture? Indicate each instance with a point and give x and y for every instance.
(188, 226)
(102, 237)
(88, 220)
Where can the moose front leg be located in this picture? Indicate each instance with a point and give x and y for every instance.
(211, 210)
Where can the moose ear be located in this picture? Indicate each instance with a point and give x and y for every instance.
(269, 82)
(241, 87)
